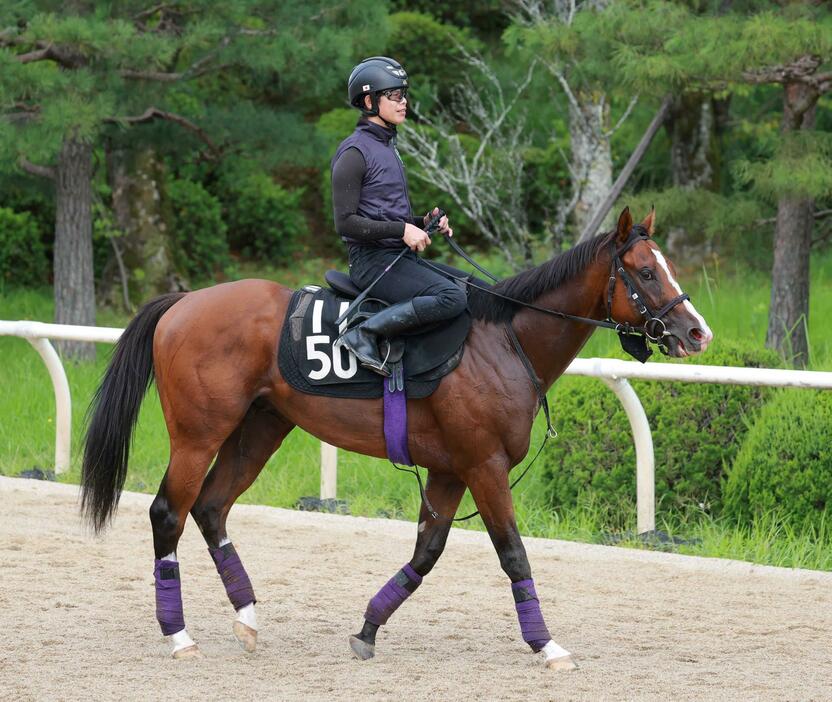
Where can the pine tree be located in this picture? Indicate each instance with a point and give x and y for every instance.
(664, 45)
(72, 72)
(563, 35)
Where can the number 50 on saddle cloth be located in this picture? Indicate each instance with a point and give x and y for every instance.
(309, 361)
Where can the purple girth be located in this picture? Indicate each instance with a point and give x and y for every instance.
(390, 597)
(168, 597)
(234, 576)
(531, 621)
(395, 417)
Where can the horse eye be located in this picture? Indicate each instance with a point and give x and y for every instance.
(646, 274)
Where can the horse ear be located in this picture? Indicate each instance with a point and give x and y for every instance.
(625, 224)
(649, 222)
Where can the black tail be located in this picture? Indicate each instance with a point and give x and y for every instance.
(114, 410)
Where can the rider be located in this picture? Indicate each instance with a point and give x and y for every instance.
(373, 216)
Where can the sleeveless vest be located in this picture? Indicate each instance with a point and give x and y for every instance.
(384, 195)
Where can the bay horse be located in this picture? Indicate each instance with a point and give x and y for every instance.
(214, 356)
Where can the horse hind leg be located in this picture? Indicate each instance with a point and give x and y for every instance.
(195, 439)
(492, 496)
(444, 493)
(168, 512)
(239, 462)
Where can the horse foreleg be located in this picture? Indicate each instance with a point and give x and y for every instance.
(492, 496)
(239, 462)
(444, 493)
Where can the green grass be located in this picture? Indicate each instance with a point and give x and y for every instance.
(735, 303)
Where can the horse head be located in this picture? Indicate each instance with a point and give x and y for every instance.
(646, 294)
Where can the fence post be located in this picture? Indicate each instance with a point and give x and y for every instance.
(645, 462)
(329, 471)
(63, 401)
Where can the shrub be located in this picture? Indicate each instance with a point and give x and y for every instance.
(785, 463)
(22, 256)
(199, 234)
(265, 220)
(697, 429)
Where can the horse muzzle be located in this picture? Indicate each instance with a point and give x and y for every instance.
(691, 340)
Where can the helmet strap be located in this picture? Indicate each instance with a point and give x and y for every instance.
(373, 111)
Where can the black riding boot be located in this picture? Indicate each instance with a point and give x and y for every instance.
(363, 339)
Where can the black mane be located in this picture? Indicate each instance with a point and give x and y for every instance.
(528, 285)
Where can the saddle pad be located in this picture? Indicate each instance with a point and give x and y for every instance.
(309, 363)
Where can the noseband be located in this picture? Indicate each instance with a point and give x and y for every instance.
(654, 327)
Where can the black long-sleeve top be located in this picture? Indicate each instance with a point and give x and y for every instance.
(347, 177)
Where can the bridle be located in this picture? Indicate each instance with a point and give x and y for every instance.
(654, 328)
(633, 338)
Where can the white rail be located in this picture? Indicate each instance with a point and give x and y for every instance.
(613, 372)
(38, 334)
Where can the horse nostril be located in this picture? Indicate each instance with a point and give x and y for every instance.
(703, 337)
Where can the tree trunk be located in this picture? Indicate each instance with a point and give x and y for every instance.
(788, 316)
(691, 126)
(136, 184)
(621, 181)
(74, 283)
(591, 155)
(693, 153)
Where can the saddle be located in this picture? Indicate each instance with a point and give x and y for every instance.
(310, 362)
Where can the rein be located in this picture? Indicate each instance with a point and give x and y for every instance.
(633, 339)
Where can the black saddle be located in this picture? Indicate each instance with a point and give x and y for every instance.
(310, 362)
(342, 283)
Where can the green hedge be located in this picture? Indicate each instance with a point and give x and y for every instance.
(697, 430)
(265, 221)
(23, 259)
(785, 463)
(199, 233)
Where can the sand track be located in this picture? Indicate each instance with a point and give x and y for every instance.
(77, 622)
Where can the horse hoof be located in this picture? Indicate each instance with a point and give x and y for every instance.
(188, 652)
(562, 663)
(246, 636)
(362, 650)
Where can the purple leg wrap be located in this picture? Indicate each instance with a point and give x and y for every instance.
(527, 605)
(234, 576)
(168, 597)
(387, 600)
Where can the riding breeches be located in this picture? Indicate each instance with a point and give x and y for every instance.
(434, 296)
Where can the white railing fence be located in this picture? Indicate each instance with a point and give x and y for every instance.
(613, 372)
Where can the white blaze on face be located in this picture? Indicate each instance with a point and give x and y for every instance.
(703, 325)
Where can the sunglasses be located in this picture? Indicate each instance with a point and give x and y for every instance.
(396, 95)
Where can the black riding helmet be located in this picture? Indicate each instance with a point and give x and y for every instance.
(370, 77)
